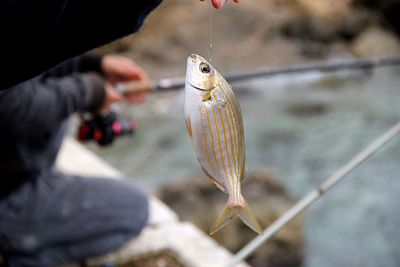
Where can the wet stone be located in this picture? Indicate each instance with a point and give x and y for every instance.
(200, 202)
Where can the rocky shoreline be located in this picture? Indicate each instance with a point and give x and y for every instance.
(259, 33)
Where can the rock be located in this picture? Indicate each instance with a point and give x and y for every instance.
(376, 4)
(326, 21)
(200, 202)
(376, 42)
(318, 24)
(388, 11)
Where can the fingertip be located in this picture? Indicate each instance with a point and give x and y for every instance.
(217, 4)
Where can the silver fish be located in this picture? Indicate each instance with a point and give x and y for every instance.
(215, 126)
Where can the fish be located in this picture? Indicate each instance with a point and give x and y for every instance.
(214, 123)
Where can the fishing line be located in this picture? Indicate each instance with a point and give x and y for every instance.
(211, 35)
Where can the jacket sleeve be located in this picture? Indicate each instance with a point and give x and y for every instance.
(37, 35)
(41, 103)
(89, 62)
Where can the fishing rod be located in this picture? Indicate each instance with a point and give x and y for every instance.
(314, 195)
(178, 83)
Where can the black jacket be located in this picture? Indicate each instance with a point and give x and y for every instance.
(33, 113)
(36, 35)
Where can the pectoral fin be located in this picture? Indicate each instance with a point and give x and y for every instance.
(188, 127)
(206, 95)
(214, 181)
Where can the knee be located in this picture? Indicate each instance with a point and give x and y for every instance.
(138, 213)
(123, 203)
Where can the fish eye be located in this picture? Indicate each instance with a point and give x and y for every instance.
(204, 68)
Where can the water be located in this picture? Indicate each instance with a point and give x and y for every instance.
(303, 127)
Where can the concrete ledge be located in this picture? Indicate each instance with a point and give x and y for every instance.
(191, 246)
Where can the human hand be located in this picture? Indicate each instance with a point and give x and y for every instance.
(219, 3)
(122, 69)
(111, 96)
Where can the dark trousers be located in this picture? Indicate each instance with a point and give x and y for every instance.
(59, 219)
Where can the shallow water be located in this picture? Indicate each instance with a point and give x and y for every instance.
(303, 127)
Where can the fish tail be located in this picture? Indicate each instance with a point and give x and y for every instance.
(236, 209)
(247, 216)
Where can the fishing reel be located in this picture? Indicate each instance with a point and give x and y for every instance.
(104, 128)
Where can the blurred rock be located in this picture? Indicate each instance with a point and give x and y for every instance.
(329, 20)
(200, 202)
(320, 23)
(388, 11)
(376, 42)
(253, 34)
(376, 4)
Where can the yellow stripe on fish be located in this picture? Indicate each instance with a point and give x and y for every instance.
(215, 125)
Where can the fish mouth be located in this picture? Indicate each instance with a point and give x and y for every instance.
(193, 57)
(203, 89)
(196, 58)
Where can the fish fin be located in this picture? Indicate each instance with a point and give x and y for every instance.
(247, 216)
(224, 218)
(206, 95)
(220, 187)
(230, 211)
(188, 127)
(244, 171)
(214, 181)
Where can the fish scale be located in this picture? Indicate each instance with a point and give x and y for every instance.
(214, 123)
